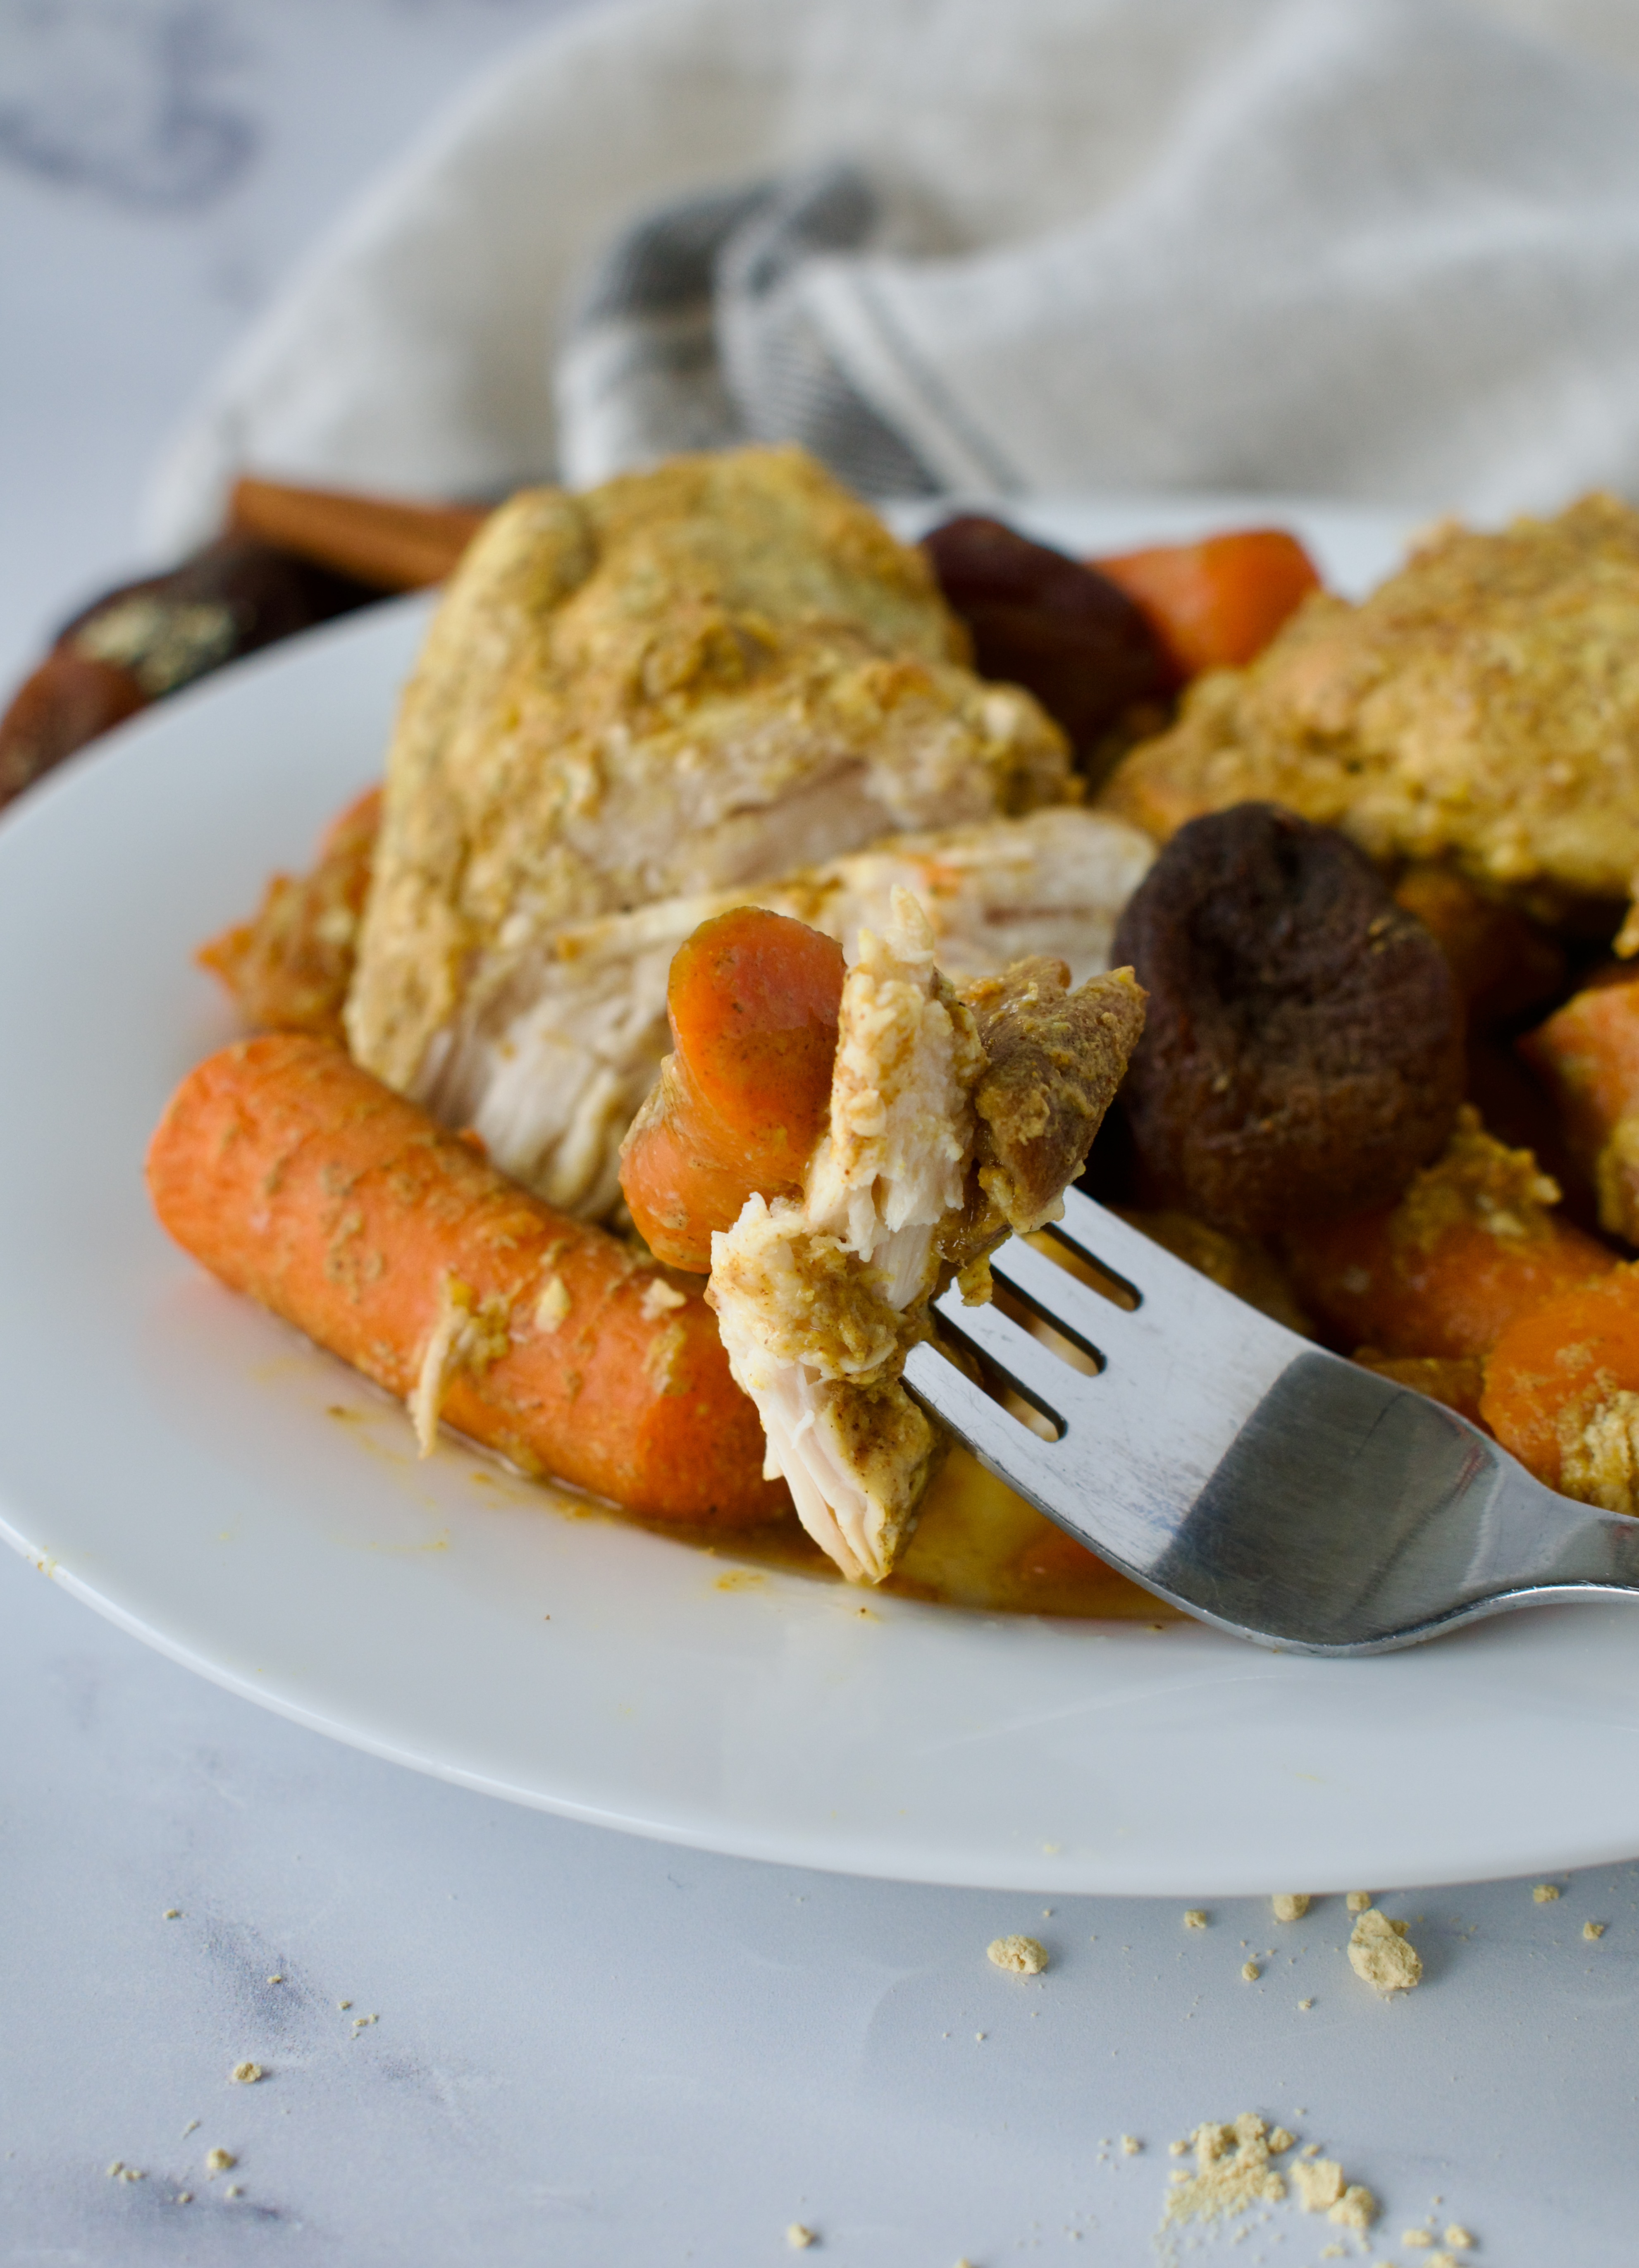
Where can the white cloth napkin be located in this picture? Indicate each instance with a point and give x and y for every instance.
(1380, 249)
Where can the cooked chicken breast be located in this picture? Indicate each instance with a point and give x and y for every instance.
(552, 1068)
(951, 1124)
(690, 679)
(1482, 708)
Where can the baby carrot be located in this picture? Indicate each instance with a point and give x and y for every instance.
(1561, 1391)
(295, 1177)
(1588, 1052)
(1218, 603)
(1474, 1242)
(753, 999)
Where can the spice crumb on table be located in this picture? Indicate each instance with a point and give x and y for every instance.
(1380, 1955)
(1020, 1956)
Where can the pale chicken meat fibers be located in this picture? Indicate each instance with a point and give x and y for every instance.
(689, 680)
(552, 1071)
(957, 1115)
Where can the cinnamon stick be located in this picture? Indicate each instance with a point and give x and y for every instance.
(396, 545)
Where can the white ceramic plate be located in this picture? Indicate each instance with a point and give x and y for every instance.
(195, 1471)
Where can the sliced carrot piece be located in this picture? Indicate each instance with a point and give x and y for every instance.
(753, 1000)
(1561, 1391)
(1218, 603)
(1476, 1241)
(1503, 965)
(1588, 1052)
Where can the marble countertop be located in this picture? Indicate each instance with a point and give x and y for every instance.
(576, 2047)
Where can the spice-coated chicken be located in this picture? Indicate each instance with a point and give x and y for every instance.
(1481, 709)
(699, 676)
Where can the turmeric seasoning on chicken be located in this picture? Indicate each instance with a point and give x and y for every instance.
(690, 679)
(1480, 710)
(952, 1116)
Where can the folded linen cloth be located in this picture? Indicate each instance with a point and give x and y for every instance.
(1381, 249)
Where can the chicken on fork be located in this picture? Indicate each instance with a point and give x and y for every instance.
(937, 1120)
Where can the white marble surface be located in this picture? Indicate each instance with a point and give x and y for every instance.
(592, 2050)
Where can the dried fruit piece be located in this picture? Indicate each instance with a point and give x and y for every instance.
(1063, 631)
(1303, 1054)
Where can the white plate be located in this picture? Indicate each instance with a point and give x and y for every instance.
(168, 1453)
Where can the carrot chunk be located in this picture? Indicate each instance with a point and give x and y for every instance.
(295, 1177)
(753, 1000)
(1588, 1052)
(1503, 965)
(1561, 1391)
(1474, 1242)
(1218, 603)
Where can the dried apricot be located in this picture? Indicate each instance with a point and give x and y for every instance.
(1303, 1054)
(1061, 631)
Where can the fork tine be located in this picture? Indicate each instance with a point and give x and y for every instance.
(1022, 1360)
(1146, 1268)
(995, 1435)
(1059, 1298)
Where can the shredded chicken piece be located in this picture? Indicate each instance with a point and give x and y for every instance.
(820, 1299)
(467, 1333)
(949, 1125)
(552, 1069)
(691, 678)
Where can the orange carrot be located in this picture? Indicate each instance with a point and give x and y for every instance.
(1561, 1391)
(1588, 1052)
(1215, 604)
(290, 967)
(297, 1178)
(1503, 965)
(753, 1000)
(1474, 1242)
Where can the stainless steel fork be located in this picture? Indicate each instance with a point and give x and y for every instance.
(1262, 1485)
